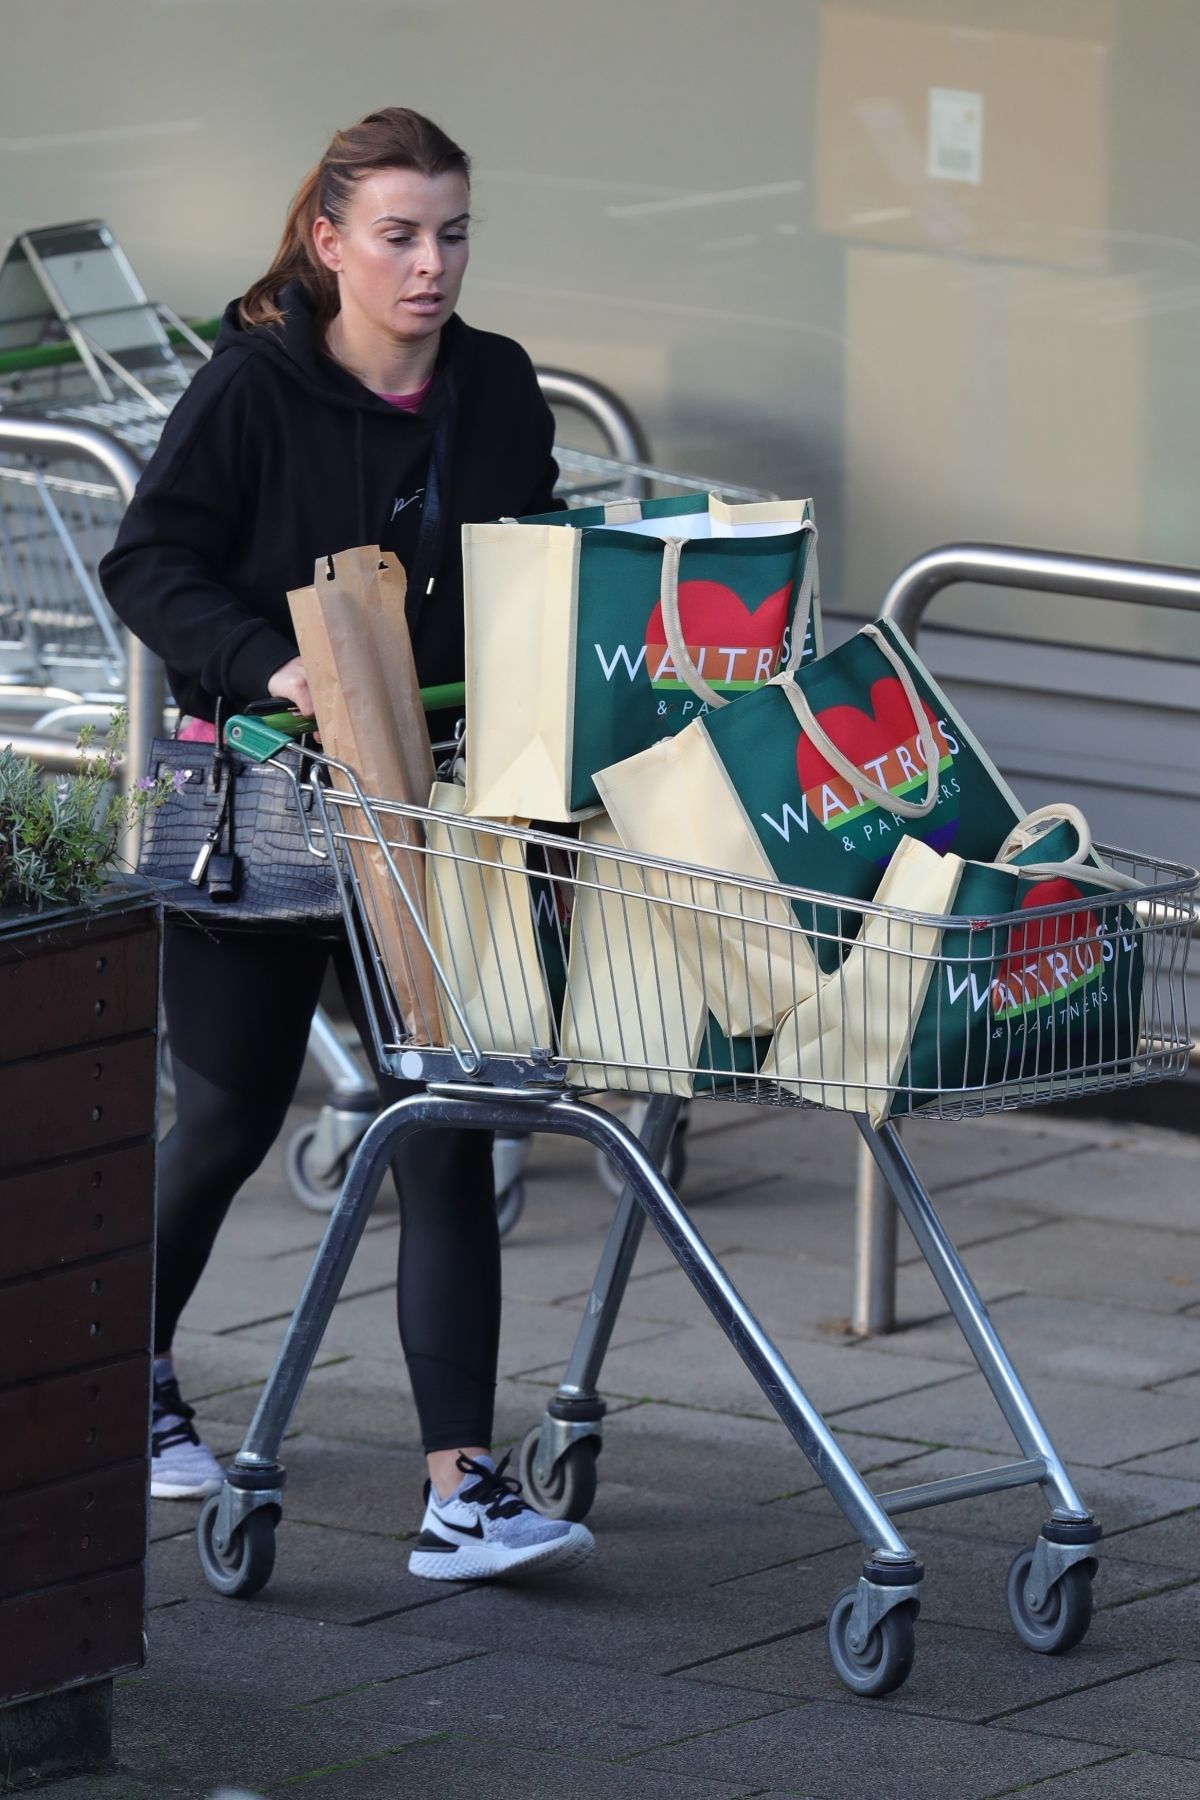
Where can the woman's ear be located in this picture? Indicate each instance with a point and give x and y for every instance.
(327, 243)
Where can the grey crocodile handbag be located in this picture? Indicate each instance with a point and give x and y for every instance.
(228, 851)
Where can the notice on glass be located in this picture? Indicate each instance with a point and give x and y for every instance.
(955, 135)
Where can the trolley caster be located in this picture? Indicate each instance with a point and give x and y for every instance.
(869, 1633)
(1049, 1588)
(314, 1187)
(570, 1491)
(242, 1563)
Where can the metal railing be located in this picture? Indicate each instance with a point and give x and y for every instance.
(993, 565)
(620, 428)
(145, 687)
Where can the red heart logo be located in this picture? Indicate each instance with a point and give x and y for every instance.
(865, 737)
(1047, 955)
(724, 637)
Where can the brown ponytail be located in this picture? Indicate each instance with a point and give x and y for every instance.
(394, 138)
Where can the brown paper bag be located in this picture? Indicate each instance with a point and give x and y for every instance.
(354, 642)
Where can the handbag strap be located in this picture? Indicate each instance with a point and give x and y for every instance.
(681, 656)
(859, 780)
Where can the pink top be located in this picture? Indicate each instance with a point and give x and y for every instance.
(197, 731)
(409, 402)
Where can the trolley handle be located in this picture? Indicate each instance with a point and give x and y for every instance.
(261, 735)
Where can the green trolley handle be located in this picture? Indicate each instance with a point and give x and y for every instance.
(260, 736)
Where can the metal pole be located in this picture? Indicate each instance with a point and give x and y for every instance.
(53, 438)
(995, 565)
(626, 440)
(874, 1251)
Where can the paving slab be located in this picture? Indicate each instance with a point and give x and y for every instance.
(1084, 1340)
(959, 1673)
(253, 1648)
(460, 1768)
(1087, 1423)
(557, 1268)
(1158, 1625)
(1149, 1183)
(528, 1700)
(789, 1291)
(815, 1235)
(239, 1742)
(1181, 1462)
(699, 1367)
(1088, 1259)
(1124, 1775)
(1188, 1386)
(1174, 1541)
(1158, 1709)
(118, 1784)
(670, 1449)
(871, 1752)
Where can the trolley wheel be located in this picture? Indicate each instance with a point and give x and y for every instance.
(887, 1657)
(571, 1490)
(510, 1205)
(1064, 1616)
(313, 1189)
(245, 1564)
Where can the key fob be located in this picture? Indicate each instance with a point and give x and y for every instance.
(224, 878)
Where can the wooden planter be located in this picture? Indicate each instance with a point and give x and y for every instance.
(78, 1085)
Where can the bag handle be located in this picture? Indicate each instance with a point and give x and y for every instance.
(681, 659)
(859, 780)
(1077, 867)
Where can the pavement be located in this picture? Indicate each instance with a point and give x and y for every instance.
(686, 1661)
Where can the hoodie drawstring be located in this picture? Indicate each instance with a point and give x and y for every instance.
(359, 480)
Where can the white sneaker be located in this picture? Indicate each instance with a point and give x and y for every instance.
(181, 1467)
(486, 1529)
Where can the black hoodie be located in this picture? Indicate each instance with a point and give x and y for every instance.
(275, 456)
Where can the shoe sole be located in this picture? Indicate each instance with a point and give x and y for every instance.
(200, 1490)
(483, 1565)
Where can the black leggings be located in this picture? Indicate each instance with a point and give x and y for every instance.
(238, 1012)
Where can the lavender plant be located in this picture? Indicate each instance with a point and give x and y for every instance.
(60, 835)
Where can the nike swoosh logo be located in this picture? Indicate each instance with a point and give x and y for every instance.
(473, 1531)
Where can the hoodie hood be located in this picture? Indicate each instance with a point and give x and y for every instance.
(295, 348)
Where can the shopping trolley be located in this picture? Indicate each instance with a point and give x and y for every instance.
(724, 934)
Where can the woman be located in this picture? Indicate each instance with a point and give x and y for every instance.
(346, 404)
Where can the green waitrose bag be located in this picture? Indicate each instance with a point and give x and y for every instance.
(1036, 997)
(592, 633)
(919, 1008)
(812, 781)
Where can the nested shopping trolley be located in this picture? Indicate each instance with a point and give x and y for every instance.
(512, 972)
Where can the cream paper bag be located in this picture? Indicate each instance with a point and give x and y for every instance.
(845, 1045)
(594, 632)
(634, 1013)
(354, 643)
(482, 931)
(745, 947)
